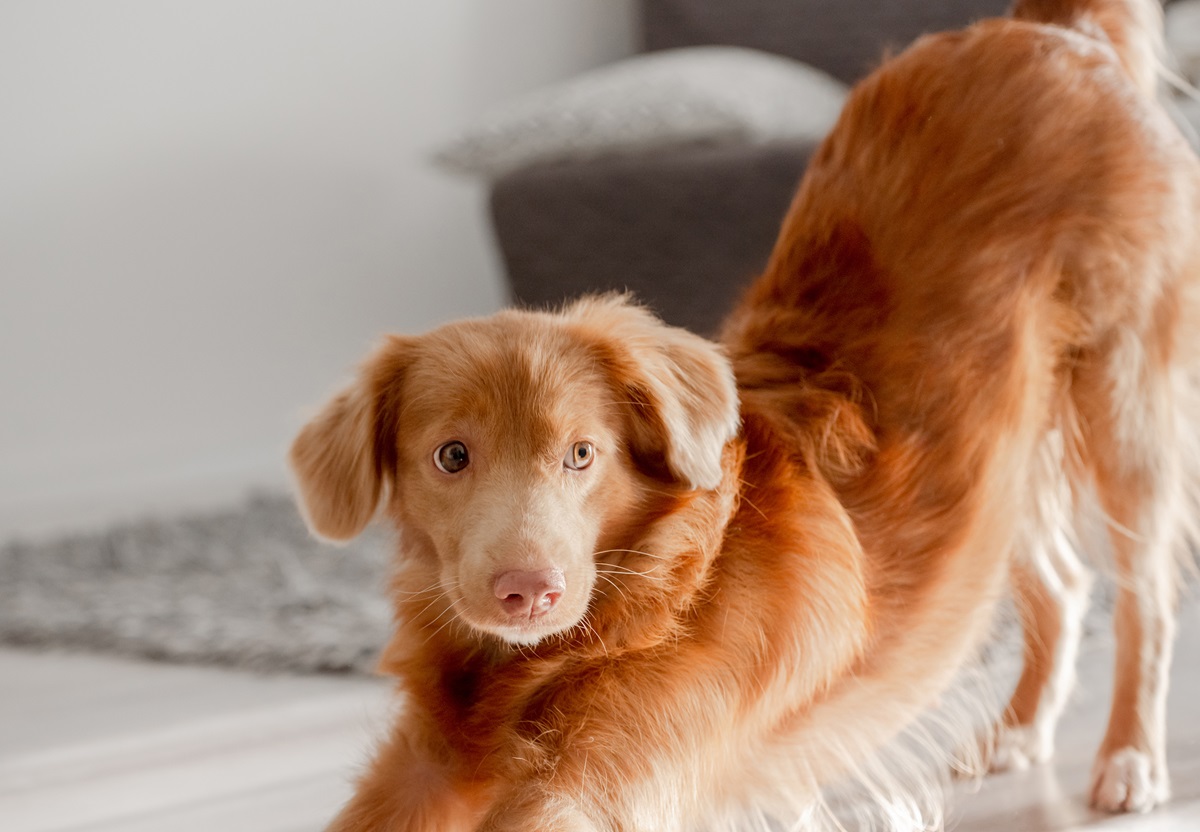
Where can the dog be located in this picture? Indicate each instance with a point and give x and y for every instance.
(652, 582)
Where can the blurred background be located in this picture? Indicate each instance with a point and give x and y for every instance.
(210, 211)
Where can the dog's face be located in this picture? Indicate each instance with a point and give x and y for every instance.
(517, 449)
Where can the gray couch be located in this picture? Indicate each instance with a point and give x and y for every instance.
(686, 230)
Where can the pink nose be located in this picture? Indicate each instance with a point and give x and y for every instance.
(529, 594)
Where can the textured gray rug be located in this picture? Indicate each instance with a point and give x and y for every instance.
(247, 587)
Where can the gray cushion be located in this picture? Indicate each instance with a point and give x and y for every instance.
(702, 95)
(685, 230)
(845, 38)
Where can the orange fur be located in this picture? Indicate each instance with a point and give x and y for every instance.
(977, 309)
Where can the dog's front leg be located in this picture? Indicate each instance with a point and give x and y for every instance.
(411, 786)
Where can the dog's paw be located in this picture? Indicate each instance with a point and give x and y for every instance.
(1128, 780)
(1017, 747)
(1007, 748)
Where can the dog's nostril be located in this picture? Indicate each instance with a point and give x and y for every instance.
(545, 601)
(526, 594)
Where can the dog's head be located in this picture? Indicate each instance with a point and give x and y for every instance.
(512, 450)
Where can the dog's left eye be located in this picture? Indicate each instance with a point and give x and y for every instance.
(451, 457)
(579, 456)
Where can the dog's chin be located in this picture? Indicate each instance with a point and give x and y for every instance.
(521, 637)
(519, 634)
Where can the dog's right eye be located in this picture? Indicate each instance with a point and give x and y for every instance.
(451, 457)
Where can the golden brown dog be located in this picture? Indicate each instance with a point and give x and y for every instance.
(652, 583)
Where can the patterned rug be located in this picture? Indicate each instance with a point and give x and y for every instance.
(247, 588)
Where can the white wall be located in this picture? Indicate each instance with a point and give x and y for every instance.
(208, 211)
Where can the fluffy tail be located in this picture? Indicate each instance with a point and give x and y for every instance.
(1133, 27)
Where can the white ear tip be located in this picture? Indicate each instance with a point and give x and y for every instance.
(700, 463)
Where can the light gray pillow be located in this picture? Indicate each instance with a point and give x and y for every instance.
(1183, 42)
(1183, 37)
(679, 97)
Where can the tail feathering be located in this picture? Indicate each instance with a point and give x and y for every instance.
(1133, 27)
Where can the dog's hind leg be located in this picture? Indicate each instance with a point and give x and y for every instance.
(1133, 422)
(1050, 588)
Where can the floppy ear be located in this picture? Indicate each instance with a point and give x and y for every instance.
(343, 456)
(680, 386)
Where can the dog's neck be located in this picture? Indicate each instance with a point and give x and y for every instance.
(669, 552)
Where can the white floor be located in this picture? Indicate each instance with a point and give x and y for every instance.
(1054, 797)
(93, 744)
(107, 745)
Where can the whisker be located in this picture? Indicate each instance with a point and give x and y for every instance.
(663, 491)
(629, 551)
(586, 623)
(416, 596)
(450, 609)
(449, 621)
(418, 593)
(623, 570)
(425, 608)
(748, 502)
(615, 586)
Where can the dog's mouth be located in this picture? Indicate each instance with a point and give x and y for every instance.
(523, 607)
(525, 635)
(524, 632)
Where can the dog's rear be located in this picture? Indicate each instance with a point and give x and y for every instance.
(1132, 27)
(1135, 416)
(998, 243)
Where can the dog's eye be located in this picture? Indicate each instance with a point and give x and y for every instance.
(451, 457)
(579, 456)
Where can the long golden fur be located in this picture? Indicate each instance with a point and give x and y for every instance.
(742, 570)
